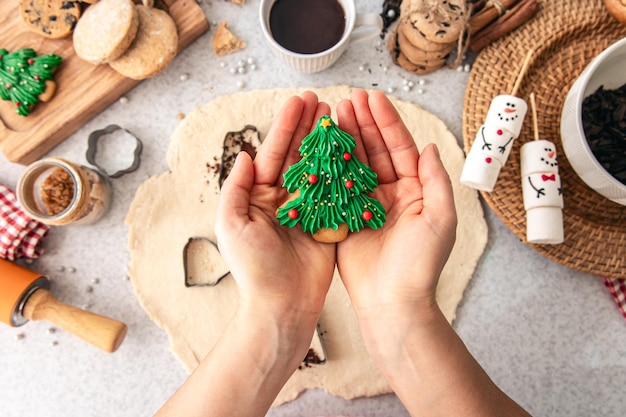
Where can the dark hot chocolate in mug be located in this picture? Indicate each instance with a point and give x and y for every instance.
(307, 26)
(310, 35)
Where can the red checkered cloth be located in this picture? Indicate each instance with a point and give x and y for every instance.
(617, 288)
(20, 236)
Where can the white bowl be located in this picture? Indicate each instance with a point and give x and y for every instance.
(607, 69)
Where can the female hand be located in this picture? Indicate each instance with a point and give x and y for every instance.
(282, 276)
(397, 266)
(391, 274)
(277, 270)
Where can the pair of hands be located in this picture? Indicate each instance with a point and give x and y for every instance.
(285, 274)
(391, 275)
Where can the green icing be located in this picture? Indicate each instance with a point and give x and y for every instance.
(329, 202)
(23, 75)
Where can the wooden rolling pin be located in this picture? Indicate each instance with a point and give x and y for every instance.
(25, 295)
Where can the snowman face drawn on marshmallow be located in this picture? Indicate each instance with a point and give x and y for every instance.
(507, 112)
(549, 157)
(539, 156)
(541, 183)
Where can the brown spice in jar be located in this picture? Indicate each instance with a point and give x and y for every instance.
(57, 191)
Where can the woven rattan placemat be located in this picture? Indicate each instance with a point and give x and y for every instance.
(566, 35)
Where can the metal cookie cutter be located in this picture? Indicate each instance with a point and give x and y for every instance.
(92, 150)
(202, 263)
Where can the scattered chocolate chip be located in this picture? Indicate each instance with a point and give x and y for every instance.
(389, 18)
(311, 358)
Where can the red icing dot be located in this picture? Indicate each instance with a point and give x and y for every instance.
(499, 131)
(349, 184)
(36, 77)
(367, 215)
(347, 156)
(8, 85)
(18, 104)
(312, 179)
(488, 160)
(292, 214)
(30, 61)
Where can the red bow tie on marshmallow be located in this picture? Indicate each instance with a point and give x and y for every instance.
(548, 177)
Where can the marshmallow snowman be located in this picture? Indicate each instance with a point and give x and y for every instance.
(493, 142)
(541, 188)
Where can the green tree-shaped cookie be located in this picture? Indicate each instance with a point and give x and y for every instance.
(23, 77)
(333, 184)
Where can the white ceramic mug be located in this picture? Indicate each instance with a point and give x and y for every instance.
(359, 26)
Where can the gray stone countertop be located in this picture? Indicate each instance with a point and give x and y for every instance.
(549, 336)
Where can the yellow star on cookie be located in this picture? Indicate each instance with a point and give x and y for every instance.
(325, 123)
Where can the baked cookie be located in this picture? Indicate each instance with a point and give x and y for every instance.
(27, 78)
(617, 9)
(50, 18)
(443, 23)
(48, 92)
(154, 47)
(106, 30)
(418, 68)
(330, 188)
(329, 235)
(419, 55)
(417, 39)
(224, 42)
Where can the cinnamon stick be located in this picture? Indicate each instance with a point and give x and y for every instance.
(510, 21)
(489, 13)
(476, 5)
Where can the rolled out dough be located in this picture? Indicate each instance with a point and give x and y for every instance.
(171, 207)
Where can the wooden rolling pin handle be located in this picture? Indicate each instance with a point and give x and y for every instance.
(102, 332)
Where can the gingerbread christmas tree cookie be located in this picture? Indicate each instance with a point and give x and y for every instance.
(26, 79)
(330, 187)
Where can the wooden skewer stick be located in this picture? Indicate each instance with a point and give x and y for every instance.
(533, 107)
(522, 72)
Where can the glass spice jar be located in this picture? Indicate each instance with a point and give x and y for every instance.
(58, 192)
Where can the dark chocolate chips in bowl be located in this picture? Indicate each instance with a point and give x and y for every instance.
(604, 122)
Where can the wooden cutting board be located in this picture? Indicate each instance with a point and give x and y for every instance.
(83, 89)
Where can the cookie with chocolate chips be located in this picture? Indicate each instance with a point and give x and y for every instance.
(417, 38)
(441, 24)
(419, 66)
(416, 54)
(50, 18)
(422, 68)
